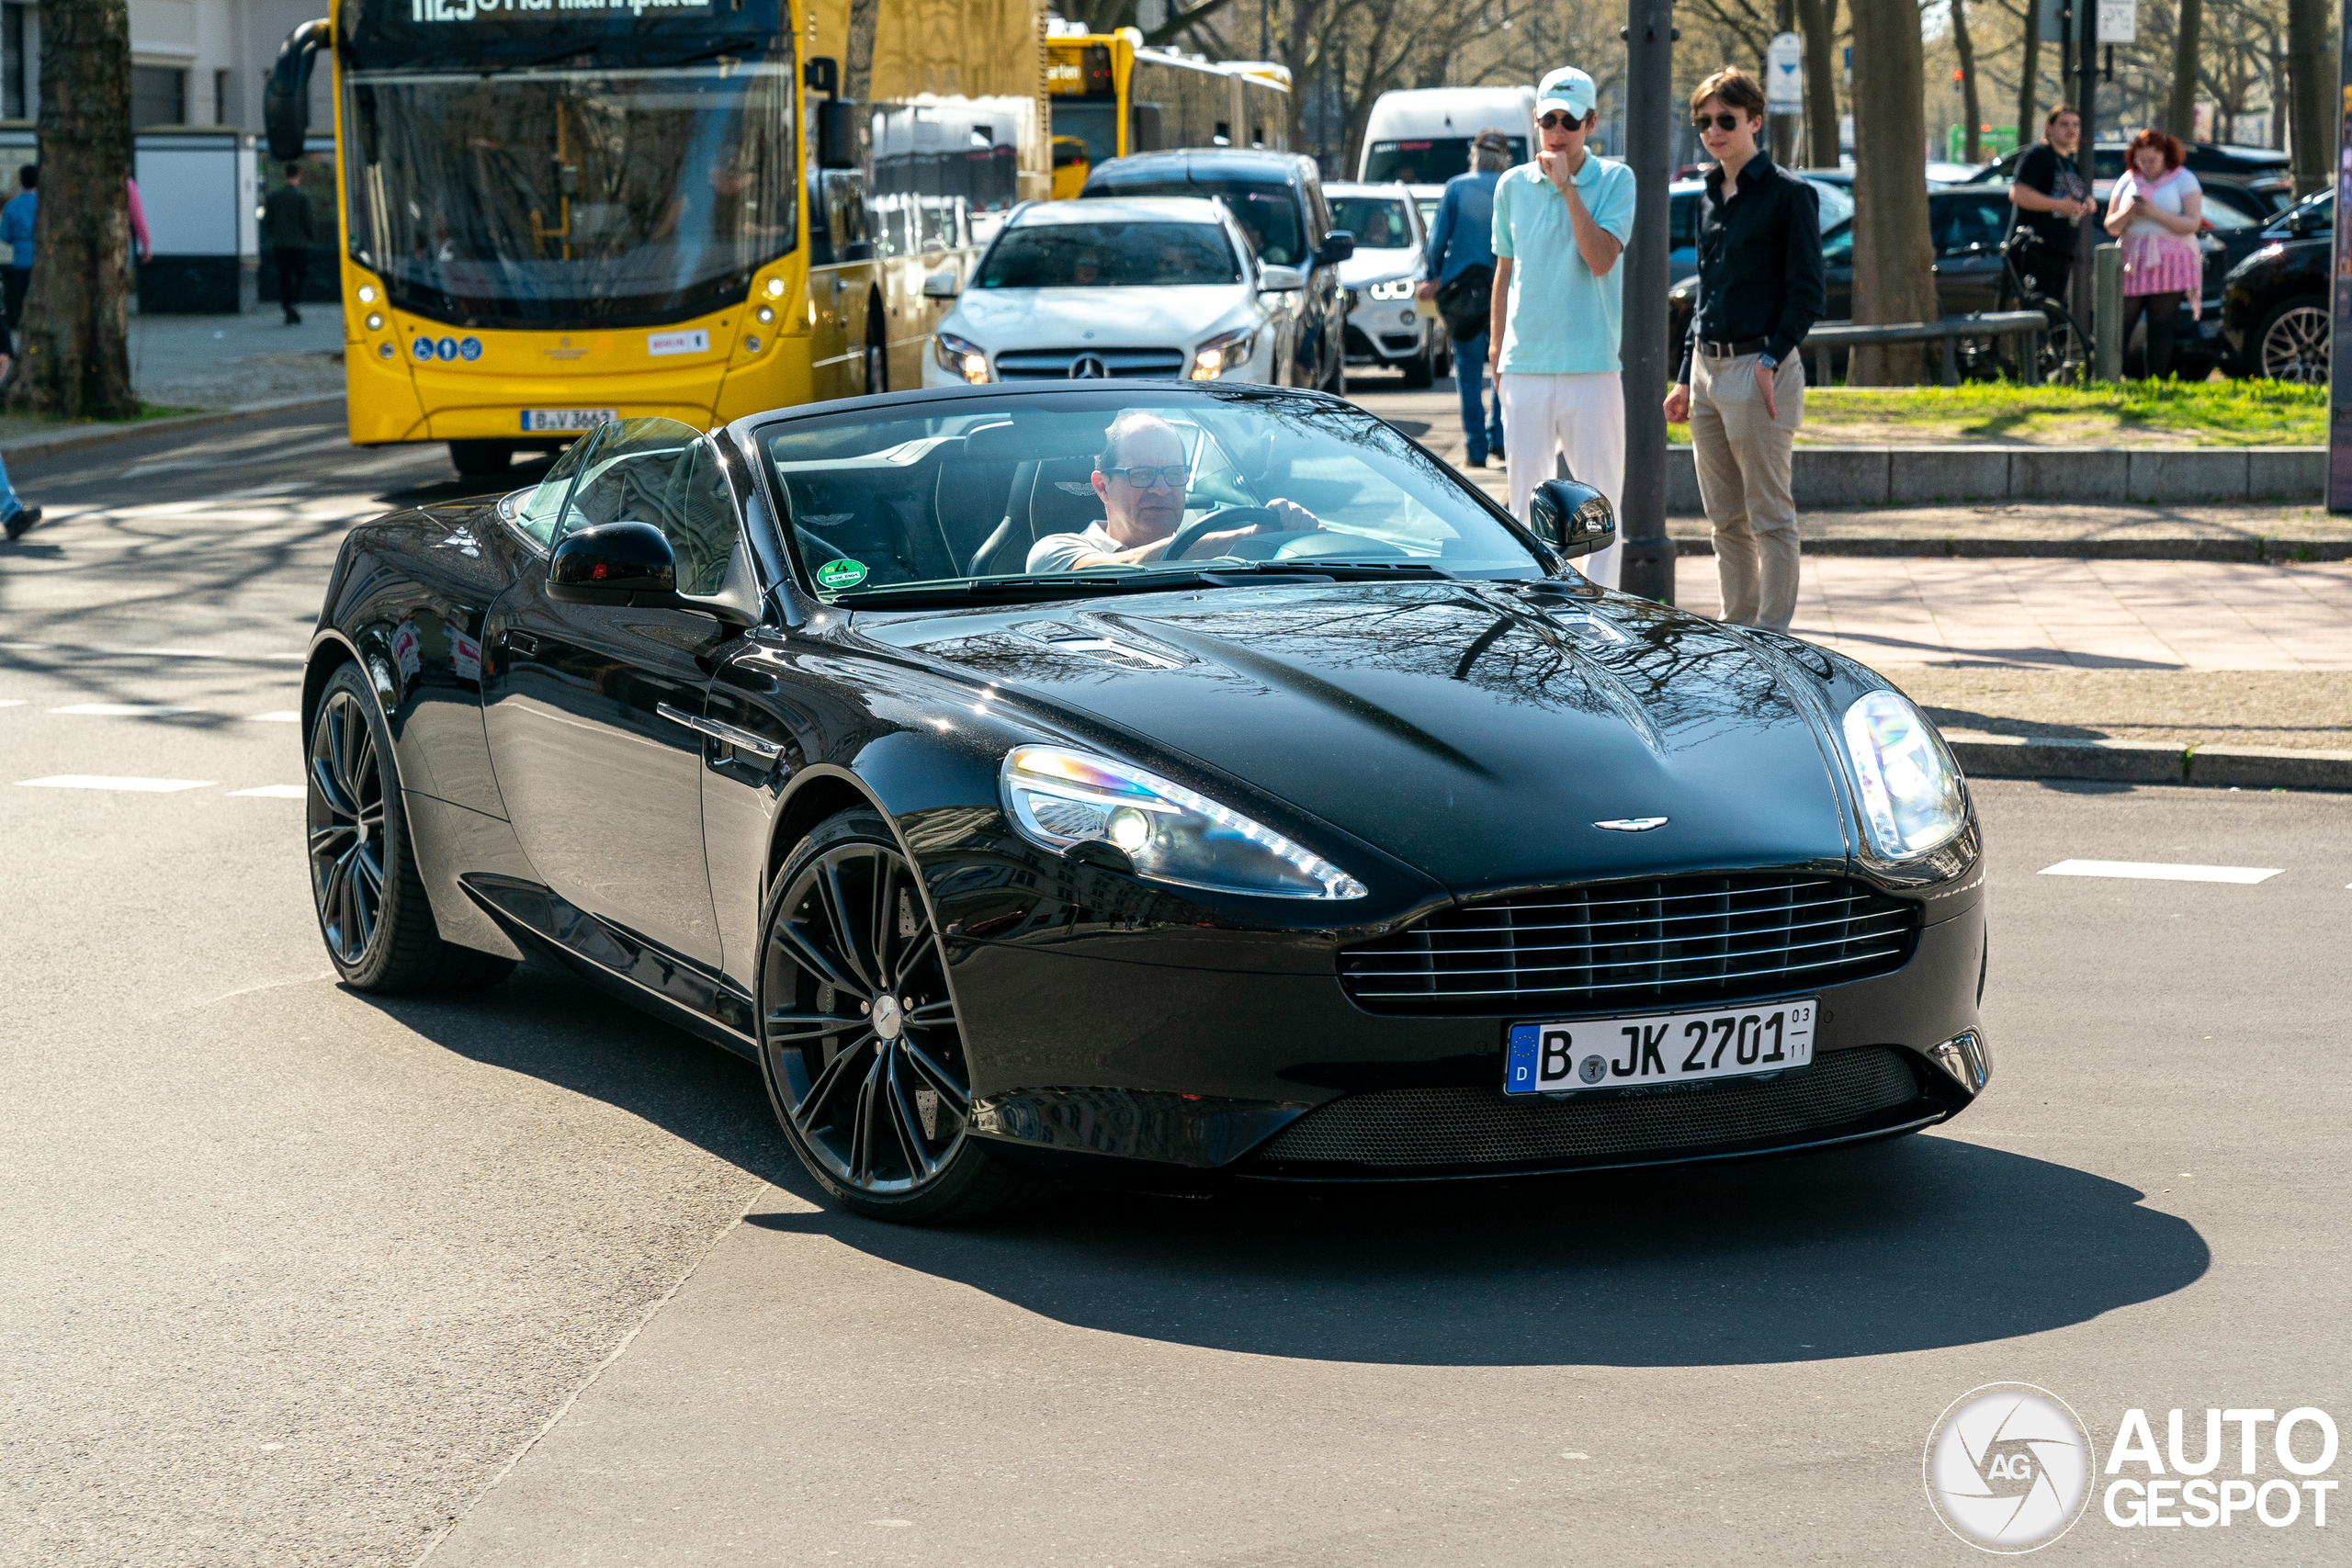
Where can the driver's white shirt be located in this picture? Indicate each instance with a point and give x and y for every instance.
(1060, 552)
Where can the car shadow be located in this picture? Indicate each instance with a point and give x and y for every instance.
(1927, 1242)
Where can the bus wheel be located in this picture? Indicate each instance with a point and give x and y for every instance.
(481, 459)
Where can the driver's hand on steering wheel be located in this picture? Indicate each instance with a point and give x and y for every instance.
(1290, 518)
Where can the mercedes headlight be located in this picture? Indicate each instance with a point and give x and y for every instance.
(1061, 798)
(1224, 352)
(965, 358)
(1909, 787)
(1395, 288)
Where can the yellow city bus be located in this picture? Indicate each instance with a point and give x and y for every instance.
(555, 212)
(1113, 96)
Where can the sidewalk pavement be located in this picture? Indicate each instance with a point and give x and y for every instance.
(218, 363)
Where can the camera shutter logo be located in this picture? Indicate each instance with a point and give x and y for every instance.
(2007, 1467)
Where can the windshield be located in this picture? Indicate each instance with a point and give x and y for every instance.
(1037, 497)
(1267, 211)
(1109, 255)
(1379, 223)
(571, 199)
(1426, 160)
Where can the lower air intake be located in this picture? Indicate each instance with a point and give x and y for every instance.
(1396, 1129)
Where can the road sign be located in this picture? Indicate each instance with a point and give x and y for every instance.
(1784, 76)
(2119, 21)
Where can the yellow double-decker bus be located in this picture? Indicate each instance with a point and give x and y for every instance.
(1113, 96)
(555, 212)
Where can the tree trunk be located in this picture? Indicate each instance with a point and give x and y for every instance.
(1894, 261)
(2180, 113)
(1818, 20)
(74, 347)
(2312, 77)
(1972, 111)
(2029, 72)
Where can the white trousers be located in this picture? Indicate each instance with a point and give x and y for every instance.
(1581, 418)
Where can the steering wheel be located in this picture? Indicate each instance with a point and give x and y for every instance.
(1225, 517)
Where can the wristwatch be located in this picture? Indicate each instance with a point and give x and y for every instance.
(1766, 361)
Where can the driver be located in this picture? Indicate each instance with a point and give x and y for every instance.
(1142, 475)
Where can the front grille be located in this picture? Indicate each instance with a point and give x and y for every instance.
(1055, 364)
(1627, 945)
(1397, 342)
(1397, 1129)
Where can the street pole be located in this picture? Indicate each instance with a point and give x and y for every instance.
(2087, 158)
(1781, 130)
(1647, 566)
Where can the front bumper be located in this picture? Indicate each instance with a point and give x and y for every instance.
(1385, 332)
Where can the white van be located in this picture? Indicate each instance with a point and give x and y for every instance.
(1421, 136)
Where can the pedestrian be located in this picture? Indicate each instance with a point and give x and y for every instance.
(2155, 211)
(1462, 283)
(286, 222)
(15, 517)
(1741, 384)
(16, 231)
(1560, 224)
(2051, 198)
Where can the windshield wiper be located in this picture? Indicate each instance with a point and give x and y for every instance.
(1074, 585)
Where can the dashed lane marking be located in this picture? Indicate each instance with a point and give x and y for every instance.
(103, 781)
(125, 710)
(283, 715)
(273, 792)
(112, 653)
(12, 702)
(2157, 870)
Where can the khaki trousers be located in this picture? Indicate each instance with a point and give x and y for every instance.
(1742, 458)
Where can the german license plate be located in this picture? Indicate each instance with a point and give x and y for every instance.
(1657, 1048)
(550, 420)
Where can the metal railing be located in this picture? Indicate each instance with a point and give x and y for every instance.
(2029, 324)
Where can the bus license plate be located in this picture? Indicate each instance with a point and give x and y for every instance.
(1664, 1047)
(551, 420)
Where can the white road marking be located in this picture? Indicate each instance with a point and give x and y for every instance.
(283, 715)
(12, 702)
(109, 652)
(124, 710)
(273, 792)
(101, 780)
(2157, 871)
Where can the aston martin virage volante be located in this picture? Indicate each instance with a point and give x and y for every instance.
(1157, 784)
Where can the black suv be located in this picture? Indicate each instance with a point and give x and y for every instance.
(1277, 198)
(2274, 303)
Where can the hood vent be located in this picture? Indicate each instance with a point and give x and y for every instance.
(1128, 653)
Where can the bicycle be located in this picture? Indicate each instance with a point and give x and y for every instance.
(2066, 348)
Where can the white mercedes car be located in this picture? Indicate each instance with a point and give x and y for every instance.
(1118, 287)
(1384, 332)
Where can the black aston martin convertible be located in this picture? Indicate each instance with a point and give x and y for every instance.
(1143, 782)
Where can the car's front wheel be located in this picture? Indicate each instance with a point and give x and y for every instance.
(372, 907)
(859, 1038)
(2292, 344)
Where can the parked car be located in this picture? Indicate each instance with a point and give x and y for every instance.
(2274, 303)
(1384, 332)
(1277, 198)
(1273, 857)
(1682, 218)
(1152, 287)
(2252, 179)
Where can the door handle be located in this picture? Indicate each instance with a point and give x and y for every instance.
(741, 740)
(522, 643)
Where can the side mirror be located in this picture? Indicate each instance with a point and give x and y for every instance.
(1574, 519)
(1337, 246)
(940, 284)
(837, 134)
(1280, 279)
(614, 563)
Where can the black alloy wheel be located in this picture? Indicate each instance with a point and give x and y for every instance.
(2292, 344)
(373, 911)
(859, 1039)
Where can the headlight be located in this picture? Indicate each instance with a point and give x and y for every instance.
(1223, 353)
(1395, 288)
(1061, 798)
(1911, 798)
(966, 359)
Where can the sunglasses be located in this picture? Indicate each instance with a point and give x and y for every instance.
(1175, 476)
(1720, 121)
(1555, 120)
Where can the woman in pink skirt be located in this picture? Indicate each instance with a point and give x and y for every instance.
(2156, 210)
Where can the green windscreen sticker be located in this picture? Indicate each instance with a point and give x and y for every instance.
(842, 573)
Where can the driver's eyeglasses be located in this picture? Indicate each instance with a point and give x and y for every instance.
(1175, 476)
(1719, 121)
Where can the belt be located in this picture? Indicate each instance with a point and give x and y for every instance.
(1734, 350)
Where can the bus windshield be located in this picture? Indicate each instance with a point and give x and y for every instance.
(571, 199)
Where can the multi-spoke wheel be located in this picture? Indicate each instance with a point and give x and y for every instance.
(2292, 344)
(859, 1038)
(372, 907)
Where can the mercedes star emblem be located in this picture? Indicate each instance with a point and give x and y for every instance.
(1089, 367)
(1631, 824)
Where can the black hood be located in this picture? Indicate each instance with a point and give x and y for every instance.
(1475, 731)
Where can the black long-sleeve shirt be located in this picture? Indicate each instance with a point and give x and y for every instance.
(1761, 273)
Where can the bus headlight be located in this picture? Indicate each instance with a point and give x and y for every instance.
(1224, 352)
(966, 359)
(1395, 288)
(375, 320)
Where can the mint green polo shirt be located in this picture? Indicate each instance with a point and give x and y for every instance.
(1561, 320)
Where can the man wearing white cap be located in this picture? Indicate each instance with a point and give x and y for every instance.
(1560, 224)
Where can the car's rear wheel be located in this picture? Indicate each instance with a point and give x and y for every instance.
(373, 911)
(859, 1038)
(481, 459)
(2292, 344)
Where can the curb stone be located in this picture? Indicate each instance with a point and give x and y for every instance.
(2261, 551)
(27, 448)
(2149, 762)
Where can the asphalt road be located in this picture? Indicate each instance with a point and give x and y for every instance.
(295, 1276)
